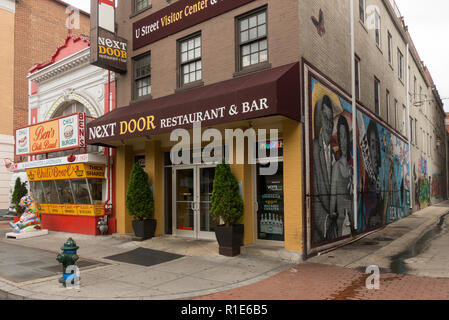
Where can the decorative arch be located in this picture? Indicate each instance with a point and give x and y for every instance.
(71, 96)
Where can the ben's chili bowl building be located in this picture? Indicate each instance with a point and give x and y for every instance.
(71, 181)
(205, 78)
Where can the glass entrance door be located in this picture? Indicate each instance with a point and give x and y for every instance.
(192, 190)
(184, 198)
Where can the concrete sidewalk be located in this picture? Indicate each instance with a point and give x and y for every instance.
(203, 273)
(199, 272)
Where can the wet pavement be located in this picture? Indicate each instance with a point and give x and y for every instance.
(411, 254)
(416, 245)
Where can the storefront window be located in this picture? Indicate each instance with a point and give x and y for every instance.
(80, 191)
(96, 190)
(270, 194)
(37, 190)
(64, 191)
(51, 193)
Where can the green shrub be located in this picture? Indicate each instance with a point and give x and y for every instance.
(20, 191)
(226, 202)
(139, 197)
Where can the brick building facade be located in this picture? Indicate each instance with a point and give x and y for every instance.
(350, 163)
(34, 30)
(40, 27)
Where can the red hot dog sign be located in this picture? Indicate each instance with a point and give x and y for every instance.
(179, 16)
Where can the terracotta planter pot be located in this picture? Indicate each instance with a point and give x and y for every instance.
(230, 239)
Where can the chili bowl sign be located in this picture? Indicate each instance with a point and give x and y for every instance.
(55, 135)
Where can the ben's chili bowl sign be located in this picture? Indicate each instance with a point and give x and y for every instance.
(69, 171)
(59, 134)
(44, 137)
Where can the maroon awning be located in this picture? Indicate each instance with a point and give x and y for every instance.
(266, 93)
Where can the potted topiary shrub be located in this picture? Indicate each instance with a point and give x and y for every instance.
(140, 203)
(227, 208)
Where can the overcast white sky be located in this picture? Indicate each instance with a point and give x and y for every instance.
(429, 27)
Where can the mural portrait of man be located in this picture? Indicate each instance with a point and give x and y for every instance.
(342, 185)
(373, 186)
(323, 159)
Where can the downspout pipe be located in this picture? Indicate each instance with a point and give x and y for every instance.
(354, 114)
(107, 109)
(409, 129)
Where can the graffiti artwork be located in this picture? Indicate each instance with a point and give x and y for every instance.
(384, 176)
(436, 186)
(382, 166)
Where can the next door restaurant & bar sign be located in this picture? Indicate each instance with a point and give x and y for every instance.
(179, 16)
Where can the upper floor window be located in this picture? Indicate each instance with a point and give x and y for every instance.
(414, 89)
(400, 65)
(69, 108)
(253, 42)
(142, 76)
(390, 46)
(388, 106)
(140, 5)
(357, 78)
(395, 114)
(190, 60)
(416, 131)
(362, 10)
(377, 26)
(404, 117)
(376, 95)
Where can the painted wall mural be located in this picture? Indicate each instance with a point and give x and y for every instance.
(384, 176)
(437, 186)
(382, 166)
(423, 184)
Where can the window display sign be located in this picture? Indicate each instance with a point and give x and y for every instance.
(55, 135)
(69, 171)
(73, 209)
(270, 214)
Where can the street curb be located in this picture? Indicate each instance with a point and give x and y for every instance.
(21, 294)
(384, 255)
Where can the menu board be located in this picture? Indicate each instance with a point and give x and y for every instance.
(270, 215)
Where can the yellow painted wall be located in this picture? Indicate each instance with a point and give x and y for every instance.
(293, 192)
(124, 162)
(243, 174)
(6, 71)
(154, 166)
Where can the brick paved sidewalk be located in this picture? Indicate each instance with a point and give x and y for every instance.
(310, 281)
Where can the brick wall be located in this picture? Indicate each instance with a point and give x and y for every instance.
(40, 27)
